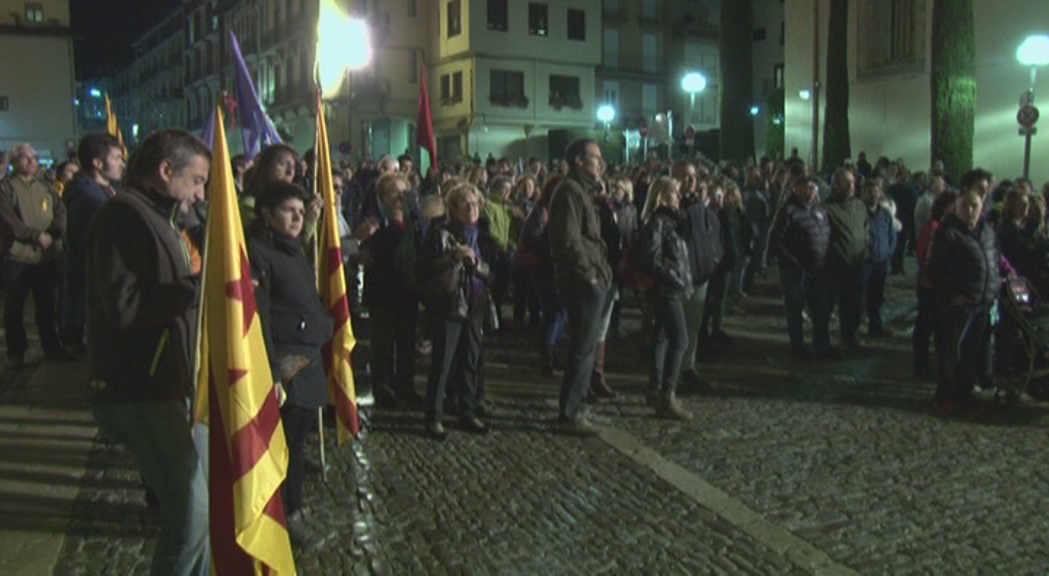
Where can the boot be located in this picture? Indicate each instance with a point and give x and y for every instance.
(672, 409)
(598, 384)
(548, 353)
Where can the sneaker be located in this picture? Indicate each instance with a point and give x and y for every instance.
(671, 409)
(578, 426)
(436, 432)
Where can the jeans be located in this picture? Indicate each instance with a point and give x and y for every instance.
(693, 306)
(158, 435)
(611, 297)
(923, 327)
(553, 314)
(714, 308)
(585, 303)
(670, 342)
(874, 274)
(847, 290)
(963, 336)
(803, 288)
(42, 280)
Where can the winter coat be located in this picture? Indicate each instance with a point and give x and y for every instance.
(82, 197)
(533, 246)
(661, 251)
(736, 236)
(28, 206)
(449, 288)
(294, 320)
(848, 236)
(578, 251)
(390, 273)
(800, 235)
(881, 235)
(702, 234)
(964, 262)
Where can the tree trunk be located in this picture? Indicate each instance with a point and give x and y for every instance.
(836, 116)
(734, 47)
(953, 84)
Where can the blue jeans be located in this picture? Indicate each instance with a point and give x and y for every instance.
(553, 315)
(803, 288)
(158, 434)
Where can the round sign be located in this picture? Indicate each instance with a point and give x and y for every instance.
(643, 128)
(690, 132)
(344, 147)
(1027, 116)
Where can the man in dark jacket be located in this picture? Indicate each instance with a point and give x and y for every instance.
(702, 234)
(142, 307)
(881, 245)
(102, 160)
(800, 236)
(582, 274)
(905, 197)
(848, 250)
(963, 264)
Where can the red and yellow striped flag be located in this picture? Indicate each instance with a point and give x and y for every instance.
(112, 127)
(332, 285)
(247, 452)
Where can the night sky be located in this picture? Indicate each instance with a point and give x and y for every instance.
(105, 29)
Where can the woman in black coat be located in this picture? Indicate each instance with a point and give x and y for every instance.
(295, 323)
(453, 276)
(661, 252)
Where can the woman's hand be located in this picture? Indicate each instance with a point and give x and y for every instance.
(313, 212)
(465, 254)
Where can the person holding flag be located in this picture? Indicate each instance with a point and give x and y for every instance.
(141, 316)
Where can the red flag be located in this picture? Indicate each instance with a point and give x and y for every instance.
(424, 123)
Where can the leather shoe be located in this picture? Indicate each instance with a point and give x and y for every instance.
(436, 432)
(474, 426)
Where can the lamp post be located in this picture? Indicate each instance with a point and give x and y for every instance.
(693, 83)
(343, 46)
(606, 114)
(1034, 52)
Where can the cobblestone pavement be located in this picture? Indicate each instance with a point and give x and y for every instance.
(846, 456)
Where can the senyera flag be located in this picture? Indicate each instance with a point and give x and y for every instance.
(248, 456)
(331, 282)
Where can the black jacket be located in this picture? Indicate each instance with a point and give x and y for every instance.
(964, 262)
(446, 287)
(702, 234)
(142, 300)
(800, 235)
(389, 275)
(661, 251)
(294, 320)
(83, 197)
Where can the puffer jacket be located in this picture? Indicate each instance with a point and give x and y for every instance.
(446, 287)
(661, 251)
(964, 262)
(702, 234)
(800, 235)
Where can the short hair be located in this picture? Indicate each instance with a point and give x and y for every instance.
(387, 159)
(406, 158)
(95, 147)
(1013, 198)
(172, 145)
(457, 195)
(498, 181)
(970, 178)
(388, 180)
(17, 149)
(840, 173)
(577, 149)
(274, 193)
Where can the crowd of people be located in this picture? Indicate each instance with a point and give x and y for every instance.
(112, 260)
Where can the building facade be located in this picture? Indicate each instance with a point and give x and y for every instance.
(890, 62)
(37, 91)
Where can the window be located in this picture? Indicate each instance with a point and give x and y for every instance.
(451, 88)
(611, 92)
(649, 99)
(411, 8)
(649, 53)
(446, 87)
(457, 86)
(455, 23)
(576, 24)
(507, 88)
(611, 47)
(564, 92)
(537, 19)
(894, 41)
(497, 15)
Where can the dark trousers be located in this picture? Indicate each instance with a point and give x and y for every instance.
(923, 327)
(296, 421)
(553, 318)
(755, 263)
(456, 356)
(803, 288)
(847, 291)
(903, 239)
(42, 281)
(874, 274)
(584, 303)
(714, 307)
(393, 346)
(526, 301)
(963, 336)
(669, 343)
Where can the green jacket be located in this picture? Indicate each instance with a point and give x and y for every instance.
(499, 220)
(848, 231)
(575, 234)
(27, 208)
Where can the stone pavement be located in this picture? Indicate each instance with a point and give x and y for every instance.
(788, 467)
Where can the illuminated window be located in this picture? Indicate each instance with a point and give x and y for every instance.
(34, 12)
(891, 37)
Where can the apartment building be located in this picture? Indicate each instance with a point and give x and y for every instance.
(37, 96)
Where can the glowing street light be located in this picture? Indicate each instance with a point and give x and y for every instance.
(606, 114)
(1033, 52)
(754, 110)
(693, 83)
(343, 45)
(804, 94)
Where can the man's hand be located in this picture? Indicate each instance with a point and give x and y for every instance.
(45, 240)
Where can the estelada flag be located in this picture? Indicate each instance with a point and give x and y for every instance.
(331, 282)
(424, 121)
(113, 127)
(248, 456)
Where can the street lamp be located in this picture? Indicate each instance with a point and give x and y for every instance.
(693, 83)
(606, 114)
(343, 45)
(1033, 52)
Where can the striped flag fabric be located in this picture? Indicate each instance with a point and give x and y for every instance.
(248, 456)
(331, 281)
(424, 135)
(112, 126)
(255, 126)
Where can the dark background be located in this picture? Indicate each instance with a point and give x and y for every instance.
(105, 29)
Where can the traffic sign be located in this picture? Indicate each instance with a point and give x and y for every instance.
(1027, 116)
(690, 132)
